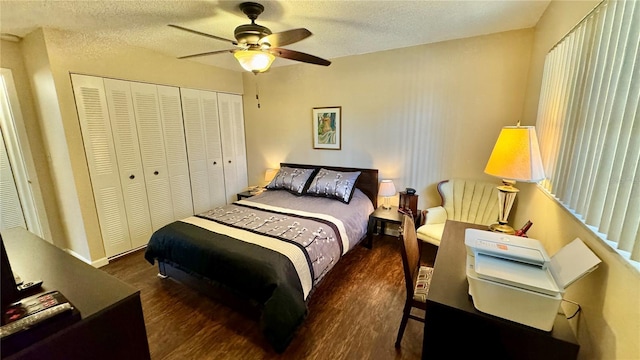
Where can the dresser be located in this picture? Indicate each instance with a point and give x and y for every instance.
(111, 324)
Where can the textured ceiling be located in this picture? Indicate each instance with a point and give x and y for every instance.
(340, 28)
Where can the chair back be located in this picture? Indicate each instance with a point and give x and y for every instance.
(470, 201)
(410, 252)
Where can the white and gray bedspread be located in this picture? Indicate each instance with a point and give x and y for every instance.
(275, 247)
(354, 215)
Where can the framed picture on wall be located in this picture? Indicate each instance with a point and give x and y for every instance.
(327, 124)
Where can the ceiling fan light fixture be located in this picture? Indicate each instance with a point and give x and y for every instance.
(257, 46)
(255, 61)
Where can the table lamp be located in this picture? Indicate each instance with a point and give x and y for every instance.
(269, 174)
(386, 190)
(515, 157)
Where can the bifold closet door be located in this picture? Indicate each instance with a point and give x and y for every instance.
(176, 151)
(101, 158)
(233, 144)
(135, 145)
(146, 108)
(125, 139)
(202, 132)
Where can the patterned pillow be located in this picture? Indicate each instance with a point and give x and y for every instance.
(334, 184)
(294, 180)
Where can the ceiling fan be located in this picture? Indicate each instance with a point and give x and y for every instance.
(257, 46)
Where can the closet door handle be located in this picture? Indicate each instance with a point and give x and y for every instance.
(156, 172)
(132, 176)
(229, 161)
(215, 163)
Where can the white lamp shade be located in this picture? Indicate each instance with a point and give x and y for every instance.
(516, 155)
(270, 174)
(254, 60)
(386, 188)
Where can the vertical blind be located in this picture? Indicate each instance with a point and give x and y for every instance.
(588, 121)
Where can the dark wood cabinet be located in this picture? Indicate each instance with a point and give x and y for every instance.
(111, 324)
(409, 202)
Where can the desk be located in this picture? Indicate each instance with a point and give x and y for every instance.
(111, 324)
(455, 329)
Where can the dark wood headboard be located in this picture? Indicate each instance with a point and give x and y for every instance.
(367, 181)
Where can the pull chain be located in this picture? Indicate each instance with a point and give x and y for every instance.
(257, 95)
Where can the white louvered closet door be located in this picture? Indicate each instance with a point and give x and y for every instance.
(233, 144)
(194, 134)
(176, 150)
(215, 169)
(11, 214)
(150, 136)
(125, 137)
(203, 146)
(101, 158)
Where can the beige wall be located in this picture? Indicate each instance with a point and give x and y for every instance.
(609, 325)
(40, 176)
(41, 79)
(50, 56)
(418, 114)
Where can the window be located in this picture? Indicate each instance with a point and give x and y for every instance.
(589, 126)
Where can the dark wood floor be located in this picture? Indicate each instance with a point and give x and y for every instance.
(354, 313)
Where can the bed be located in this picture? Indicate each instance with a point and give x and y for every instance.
(268, 253)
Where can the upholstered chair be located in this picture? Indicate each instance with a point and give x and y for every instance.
(462, 200)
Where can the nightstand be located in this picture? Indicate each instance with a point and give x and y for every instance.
(244, 195)
(382, 216)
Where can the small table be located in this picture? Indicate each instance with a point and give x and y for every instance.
(383, 216)
(244, 195)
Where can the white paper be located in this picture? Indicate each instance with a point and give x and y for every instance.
(572, 262)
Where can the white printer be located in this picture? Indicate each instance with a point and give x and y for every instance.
(513, 278)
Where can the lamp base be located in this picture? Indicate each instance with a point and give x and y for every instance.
(502, 228)
(386, 203)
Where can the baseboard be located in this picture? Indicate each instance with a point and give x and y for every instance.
(98, 263)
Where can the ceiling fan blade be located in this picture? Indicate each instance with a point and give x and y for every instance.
(208, 53)
(286, 37)
(299, 56)
(203, 34)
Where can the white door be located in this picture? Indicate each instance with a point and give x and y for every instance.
(11, 213)
(174, 143)
(150, 136)
(101, 158)
(233, 144)
(215, 169)
(202, 131)
(20, 197)
(125, 137)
